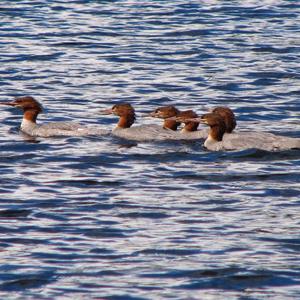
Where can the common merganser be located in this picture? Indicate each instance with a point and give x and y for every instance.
(219, 140)
(224, 112)
(31, 108)
(173, 117)
(165, 113)
(189, 131)
(126, 114)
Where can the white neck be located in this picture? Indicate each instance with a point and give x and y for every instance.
(212, 144)
(118, 128)
(209, 141)
(27, 125)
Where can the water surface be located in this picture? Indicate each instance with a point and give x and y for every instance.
(100, 217)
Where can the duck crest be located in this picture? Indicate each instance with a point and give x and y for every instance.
(227, 115)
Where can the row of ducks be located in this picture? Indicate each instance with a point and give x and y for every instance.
(220, 135)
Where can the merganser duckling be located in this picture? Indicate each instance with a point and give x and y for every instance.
(127, 116)
(31, 108)
(165, 113)
(219, 140)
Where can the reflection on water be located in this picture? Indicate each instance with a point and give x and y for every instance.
(91, 218)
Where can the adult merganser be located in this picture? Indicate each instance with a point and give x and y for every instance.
(31, 109)
(137, 133)
(219, 140)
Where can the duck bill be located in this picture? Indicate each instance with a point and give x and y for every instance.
(153, 115)
(203, 121)
(106, 112)
(13, 103)
(185, 120)
(174, 119)
(145, 115)
(195, 120)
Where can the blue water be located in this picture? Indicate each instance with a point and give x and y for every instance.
(104, 218)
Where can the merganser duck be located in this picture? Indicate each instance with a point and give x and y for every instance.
(219, 140)
(225, 113)
(127, 117)
(31, 108)
(165, 113)
(174, 117)
(189, 131)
